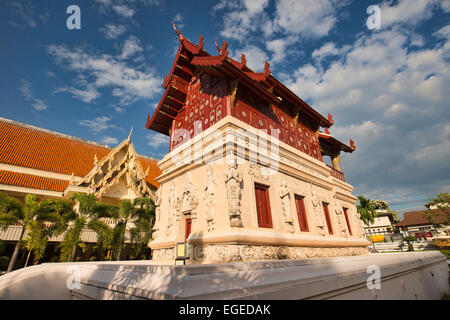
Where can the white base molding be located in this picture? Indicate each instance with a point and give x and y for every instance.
(407, 275)
(222, 253)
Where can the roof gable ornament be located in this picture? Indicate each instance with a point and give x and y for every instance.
(129, 136)
(180, 36)
(352, 144)
(223, 51)
(95, 160)
(330, 118)
(266, 69)
(243, 61)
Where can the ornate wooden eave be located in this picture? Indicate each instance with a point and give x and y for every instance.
(331, 145)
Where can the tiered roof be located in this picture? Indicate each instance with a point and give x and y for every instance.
(192, 56)
(36, 148)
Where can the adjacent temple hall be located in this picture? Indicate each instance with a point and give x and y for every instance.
(245, 178)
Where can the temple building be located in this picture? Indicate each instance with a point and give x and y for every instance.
(54, 165)
(245, 178)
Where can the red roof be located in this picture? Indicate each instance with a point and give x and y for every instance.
(415, 218)
(36, 148)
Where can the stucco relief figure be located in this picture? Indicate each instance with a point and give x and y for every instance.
(321, 227)
(211, 181)
(233, 181)
(158, 205)
(341, 219)
(286, 203)
(173, 203)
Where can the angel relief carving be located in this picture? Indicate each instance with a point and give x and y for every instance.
(211, 182)
(173, 204)
(341, 219)
(286, 203)
(233, 183)
(320, 220)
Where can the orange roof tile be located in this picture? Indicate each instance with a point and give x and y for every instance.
(32, 181)
(36, 148)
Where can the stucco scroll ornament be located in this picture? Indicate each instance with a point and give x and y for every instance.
(321, 227)
(341, 218)
(286, 202)
(209, 196)
(233, 183)
(173, 204)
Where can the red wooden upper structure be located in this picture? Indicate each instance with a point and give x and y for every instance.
(202, 89)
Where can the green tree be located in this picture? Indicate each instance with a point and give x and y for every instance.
(367, 213)
(54, 214)
(141, 233)
(89, 211)
(442, 202)
(140, 215)
(12, 212)
(4, 260)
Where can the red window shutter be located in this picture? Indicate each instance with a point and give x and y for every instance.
(327, 217)
(263, 206)
(188, 228)
(301, 213)
(347, 220)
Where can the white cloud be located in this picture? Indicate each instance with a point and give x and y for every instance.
(104, 70)
(28, 94)
(393, 102)
(112, 31)
(131, 47)
(155, 140)
(97, 125)
(87, 95)
(39, 105)
(109, 140)
(25, 12)
(255, 57)
(245, 16)
(278, 47)
(445, 5)
(310, 18)
(406, 12)
(123, 11)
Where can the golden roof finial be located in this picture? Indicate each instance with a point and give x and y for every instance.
(129, 136)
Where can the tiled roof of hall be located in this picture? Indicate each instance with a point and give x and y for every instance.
(193, 55)
(32, 147)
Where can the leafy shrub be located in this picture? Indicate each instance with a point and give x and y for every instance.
(4, 262)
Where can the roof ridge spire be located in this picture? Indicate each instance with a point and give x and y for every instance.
(129, 136)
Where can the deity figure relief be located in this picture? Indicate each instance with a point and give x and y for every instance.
(211, 181)
(157, 212)
(286, 203)
(321, 227)
(173, 204)
(341, 219)
(233, 181)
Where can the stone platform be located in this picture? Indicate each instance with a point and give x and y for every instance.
(408, 275)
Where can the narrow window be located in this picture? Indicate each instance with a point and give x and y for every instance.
(327, 217)
(188, 228)
(348, 221)
(301, 213)
(263, 206)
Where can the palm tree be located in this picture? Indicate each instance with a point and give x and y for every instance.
(89, 212)
(367, 213)
(141, 233)
(51, 220)
(12, 212)
(141, 213)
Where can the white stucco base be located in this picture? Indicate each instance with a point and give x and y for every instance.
(408, 275)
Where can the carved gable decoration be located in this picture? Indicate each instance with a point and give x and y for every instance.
(121, 165)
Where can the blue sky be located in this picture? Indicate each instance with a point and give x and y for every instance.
(387, 89)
